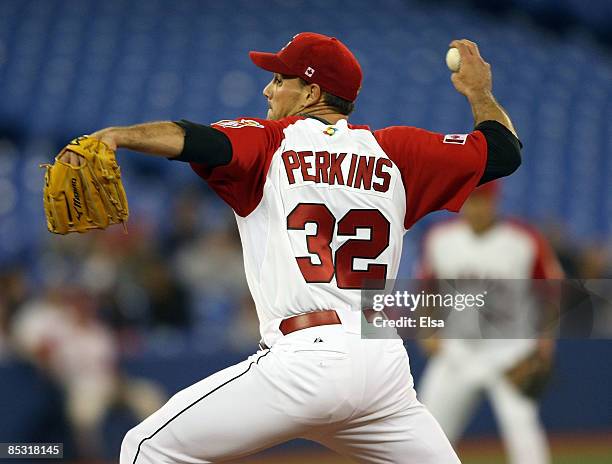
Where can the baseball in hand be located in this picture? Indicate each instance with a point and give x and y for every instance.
(453, 59)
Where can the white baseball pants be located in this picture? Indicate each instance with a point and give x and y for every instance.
(451, 389)
(351, 395)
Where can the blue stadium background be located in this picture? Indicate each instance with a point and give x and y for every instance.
(73, 66)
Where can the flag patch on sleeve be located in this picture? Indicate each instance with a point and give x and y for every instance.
(458, 139)
(237, 124)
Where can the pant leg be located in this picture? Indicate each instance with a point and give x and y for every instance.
(230, 414)
(389, 425)
(409, 436)
(450, 392)
(519, 423)
(304, 382)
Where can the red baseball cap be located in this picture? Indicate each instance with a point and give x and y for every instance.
(318, 59)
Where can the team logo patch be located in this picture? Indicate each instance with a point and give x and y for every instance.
(330, 130)
(457, 139)
(237, 124)
(309, 71)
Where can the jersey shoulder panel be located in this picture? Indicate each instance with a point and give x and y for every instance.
(254, 141)
(438, 171)
(359, 126)
(545, 262)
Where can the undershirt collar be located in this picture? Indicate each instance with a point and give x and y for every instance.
(306, 115)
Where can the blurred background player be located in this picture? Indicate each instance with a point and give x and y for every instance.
(483, 245)
(61, 335)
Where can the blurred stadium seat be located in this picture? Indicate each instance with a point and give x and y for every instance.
(73, 66)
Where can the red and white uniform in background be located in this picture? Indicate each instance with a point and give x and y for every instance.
(320, 209)
(456, 376)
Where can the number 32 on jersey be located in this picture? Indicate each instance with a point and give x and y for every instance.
(341, 263)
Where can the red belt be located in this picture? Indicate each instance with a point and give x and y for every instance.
(313, 319)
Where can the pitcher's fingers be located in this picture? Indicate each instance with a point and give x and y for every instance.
(464, 53)
(463, 44)
(471, 47)
(457, 43)
(474, 47)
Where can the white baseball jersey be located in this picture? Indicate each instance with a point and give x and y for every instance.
(508, 250)
(322, 209)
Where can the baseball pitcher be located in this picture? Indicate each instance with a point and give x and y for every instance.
(322, 207)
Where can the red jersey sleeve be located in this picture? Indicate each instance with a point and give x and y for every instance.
(438, 171)
(546, 265)
(240, 183)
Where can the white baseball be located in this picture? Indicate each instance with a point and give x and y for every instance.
(453, 59)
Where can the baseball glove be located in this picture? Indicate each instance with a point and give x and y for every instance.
(531, 375)
(88, 196)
